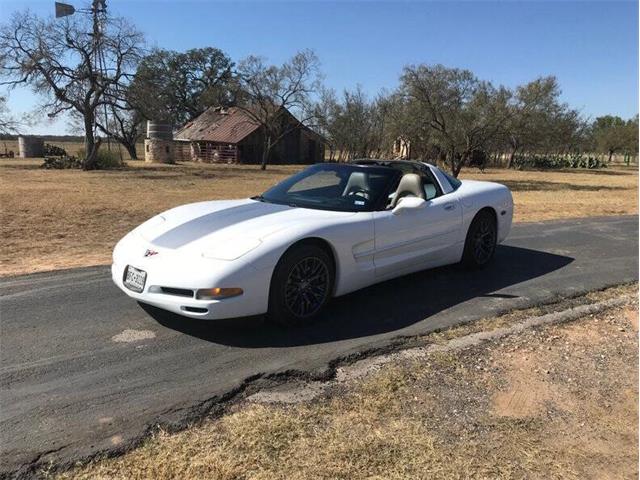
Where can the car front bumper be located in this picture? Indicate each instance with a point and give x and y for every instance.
(168, 272)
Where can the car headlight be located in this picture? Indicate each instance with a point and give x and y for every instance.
(231, 249)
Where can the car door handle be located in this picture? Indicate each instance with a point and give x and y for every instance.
(449, 206)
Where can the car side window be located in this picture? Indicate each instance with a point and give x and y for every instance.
(454, 182)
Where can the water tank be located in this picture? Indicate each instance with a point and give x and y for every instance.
(30, 146)
(159, 130)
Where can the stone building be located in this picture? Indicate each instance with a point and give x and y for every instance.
(159, 146)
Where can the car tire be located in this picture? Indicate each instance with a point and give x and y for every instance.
(480, 244)
(301, 285)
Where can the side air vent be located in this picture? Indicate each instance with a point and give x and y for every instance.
(180, 292)
(195, 309)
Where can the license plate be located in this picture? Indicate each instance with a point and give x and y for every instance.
(134, 279)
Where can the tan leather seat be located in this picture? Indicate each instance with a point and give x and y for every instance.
(410, 186)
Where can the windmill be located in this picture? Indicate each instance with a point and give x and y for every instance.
(98, 12)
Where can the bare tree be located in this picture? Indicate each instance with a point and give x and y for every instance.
(125, 124)
(326, 112)
(267, 93)
(355, 125)
(8, 124)
(58, 59)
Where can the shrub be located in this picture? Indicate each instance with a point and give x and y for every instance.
(61, 163)
(547, 162)
(53, 150)
(106, 160)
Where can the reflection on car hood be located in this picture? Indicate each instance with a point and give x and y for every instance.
(205, 222)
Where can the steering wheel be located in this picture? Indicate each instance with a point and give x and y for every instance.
(359, 192)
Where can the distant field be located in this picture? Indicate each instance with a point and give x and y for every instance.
(69, 218)
(73, 148)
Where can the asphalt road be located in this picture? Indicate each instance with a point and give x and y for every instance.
(86, 369)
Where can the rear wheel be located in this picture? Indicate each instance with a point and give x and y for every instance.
(301, 285)
(480, 244)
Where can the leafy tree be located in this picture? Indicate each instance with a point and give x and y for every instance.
(540, 122)
(57, 59)
(401, 125)
(612, 134)
(267, 92)
(178, 87)
(536, 103)
(463, 113)
(631, 144)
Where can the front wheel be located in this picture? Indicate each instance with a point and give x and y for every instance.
(301, 285)
(480, 244)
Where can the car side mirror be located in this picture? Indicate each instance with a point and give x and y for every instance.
(406, 204)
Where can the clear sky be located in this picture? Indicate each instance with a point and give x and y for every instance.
(592, 47)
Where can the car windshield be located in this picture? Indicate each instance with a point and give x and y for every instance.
(330, 186)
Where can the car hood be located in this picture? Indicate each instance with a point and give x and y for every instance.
(216, 223)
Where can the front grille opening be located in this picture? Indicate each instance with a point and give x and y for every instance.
(181, 292)
(195, 309)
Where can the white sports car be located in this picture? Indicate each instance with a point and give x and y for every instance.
(324, 232)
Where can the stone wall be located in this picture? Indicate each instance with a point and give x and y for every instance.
(159, 151)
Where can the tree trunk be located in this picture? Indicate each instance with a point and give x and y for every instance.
(458, 163)
(512, 155)
(455, 169)
(265, 152)
(131, 149)
(90, 145)
(610, 155)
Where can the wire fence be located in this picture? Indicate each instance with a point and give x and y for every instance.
(206, 152)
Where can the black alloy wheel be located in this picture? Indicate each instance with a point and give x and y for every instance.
(307, 287)
(301, 285)
(480, 244)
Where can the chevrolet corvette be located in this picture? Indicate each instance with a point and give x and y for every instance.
(323, 232)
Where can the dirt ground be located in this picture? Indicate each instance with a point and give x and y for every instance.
(68, 218)
(556, 401)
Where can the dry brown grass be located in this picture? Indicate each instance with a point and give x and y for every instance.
(62, 219)
(68, 218)
(552, 402)
(550, 195)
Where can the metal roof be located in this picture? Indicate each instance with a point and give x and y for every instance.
(216, 124)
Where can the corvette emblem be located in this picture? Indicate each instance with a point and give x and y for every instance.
(150, 253)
